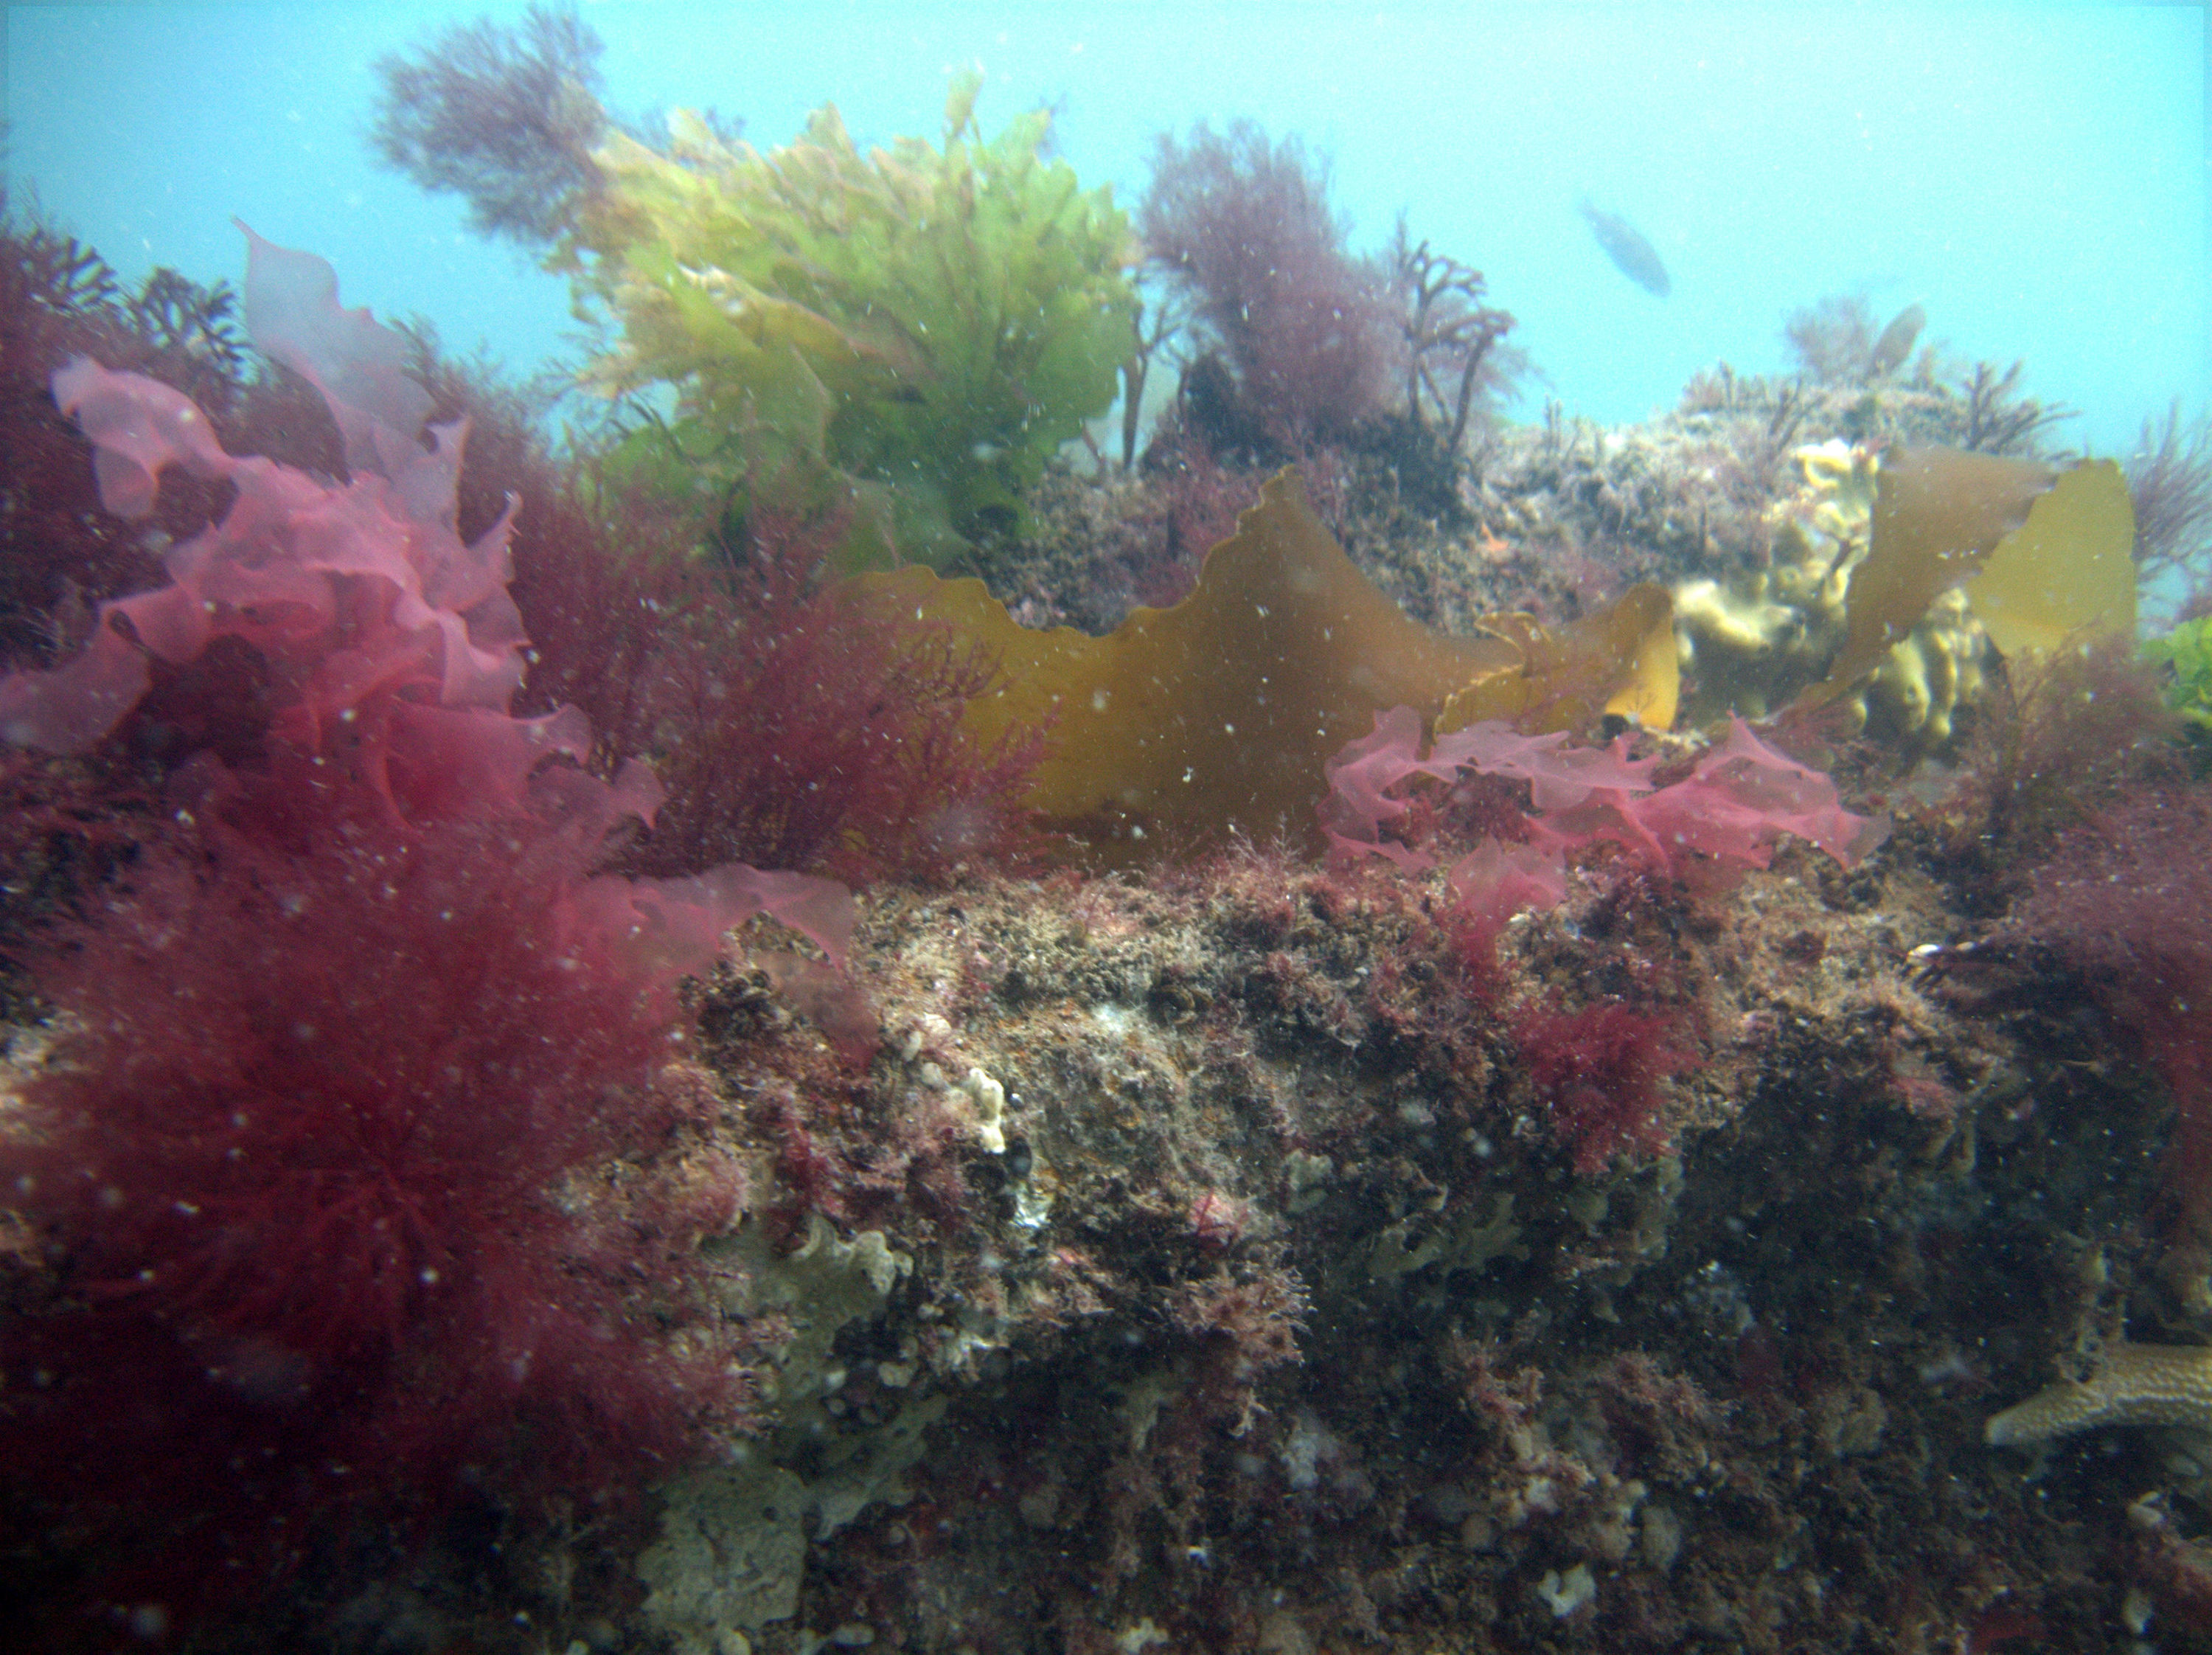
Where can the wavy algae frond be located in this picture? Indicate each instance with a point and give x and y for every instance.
(1621, 659)
(1938, 514)
(2041, 554)
(1187, 724)
(2069, 570)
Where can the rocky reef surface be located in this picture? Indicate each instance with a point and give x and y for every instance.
(1200, 1265)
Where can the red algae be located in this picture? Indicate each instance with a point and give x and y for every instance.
(1597, 1070)
(1609, 1227)
(338, 1056)
(2125, 900)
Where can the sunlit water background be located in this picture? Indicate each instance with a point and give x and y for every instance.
(2036, 176)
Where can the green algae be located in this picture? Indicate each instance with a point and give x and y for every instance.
(915, 330)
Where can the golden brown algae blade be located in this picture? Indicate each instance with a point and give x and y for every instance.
(2068, 571)
(1938, 514)
(1215, 716)
(2044, 556)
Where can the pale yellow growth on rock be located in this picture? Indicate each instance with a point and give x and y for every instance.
(1934, 670)
(2139, 1384)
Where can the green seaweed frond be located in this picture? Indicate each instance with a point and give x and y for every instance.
(926, 323)
(2185, 654)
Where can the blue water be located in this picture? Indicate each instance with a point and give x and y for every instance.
(2035, 175)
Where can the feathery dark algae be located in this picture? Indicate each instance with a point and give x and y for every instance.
(1065, 832)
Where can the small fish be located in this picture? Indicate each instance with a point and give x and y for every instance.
(1623, 244)
(1896, 342)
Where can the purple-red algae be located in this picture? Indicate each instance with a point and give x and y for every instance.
(1597, 1070)
(2124, 900)
(326, 1209)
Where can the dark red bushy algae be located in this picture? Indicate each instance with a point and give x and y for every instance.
(507, 119)
(1246, 226)
(320, 1153)
(792, 728)
(2127, 901)
(322, 1181)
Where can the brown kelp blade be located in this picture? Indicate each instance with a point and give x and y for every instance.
(2068, 571)
(1621, 659)
(1188, 724)
(1938, 514)
(2042, 555)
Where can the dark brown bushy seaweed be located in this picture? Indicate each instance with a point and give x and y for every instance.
(2170, 481)
(506, 118)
